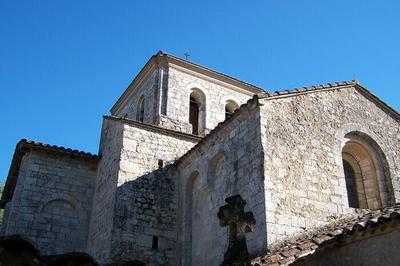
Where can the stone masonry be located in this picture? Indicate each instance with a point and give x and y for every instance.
(53, 201)
(153, 192)
(302, 137)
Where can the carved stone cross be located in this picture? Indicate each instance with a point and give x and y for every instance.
(239, 223)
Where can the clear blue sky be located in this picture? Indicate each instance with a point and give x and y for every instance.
(64, 63)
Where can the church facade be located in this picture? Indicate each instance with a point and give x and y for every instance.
(180, 140)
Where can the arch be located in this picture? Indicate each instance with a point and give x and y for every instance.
(366, 172)
(230, 107)
(140, 109)
(64, 216)
(197, 111)
(188, 214)
(212, 169)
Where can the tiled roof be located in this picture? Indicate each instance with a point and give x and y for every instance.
(26, 145)
(311, 88)
(333, 86)
(44, 146)
(328, 236)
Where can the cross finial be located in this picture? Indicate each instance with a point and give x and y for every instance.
(239, 223)
(186, 54)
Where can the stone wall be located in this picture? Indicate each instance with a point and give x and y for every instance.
(99, 241)
(303, 136)
(148, 88)
(52, 201)
(180, 85)
(228, 162)
(145, 208)
(135, 202)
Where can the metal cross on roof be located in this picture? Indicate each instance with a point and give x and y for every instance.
(239, 223)
(186, 55)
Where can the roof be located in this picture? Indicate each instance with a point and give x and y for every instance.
(36, 145)
(26, 145)
(333, 86)
(333, 234)
(162, 56)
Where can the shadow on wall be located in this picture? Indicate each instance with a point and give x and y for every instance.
(146, 221)
(144, 226)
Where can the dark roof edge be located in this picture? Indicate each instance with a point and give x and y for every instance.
(333, 86)
(36, 145)
(152, 127)
(25, 145)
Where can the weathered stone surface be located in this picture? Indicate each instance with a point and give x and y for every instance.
(53, 201)
(228, 162)
(150, 197)
(302, 140)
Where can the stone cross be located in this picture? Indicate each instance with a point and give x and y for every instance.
(239, 223)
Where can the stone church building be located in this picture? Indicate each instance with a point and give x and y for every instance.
(319, 169)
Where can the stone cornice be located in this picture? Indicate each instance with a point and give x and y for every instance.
(162, 59)
(153, 127)
(334, 86)
(212, 75)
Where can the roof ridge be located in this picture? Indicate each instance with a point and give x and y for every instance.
(163, 53)
(312, 88)
(56, 147)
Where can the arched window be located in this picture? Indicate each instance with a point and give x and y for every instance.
(213, 166)
(351, 186)
(366, 173)
(197, 112)
(140, 109)
(230, 107)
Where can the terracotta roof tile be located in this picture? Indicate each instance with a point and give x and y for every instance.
(328, 235)
(310, 88)
(40, 145)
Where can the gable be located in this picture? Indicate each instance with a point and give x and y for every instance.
(337, 86)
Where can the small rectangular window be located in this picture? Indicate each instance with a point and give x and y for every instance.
(155, 242)
(160, 164)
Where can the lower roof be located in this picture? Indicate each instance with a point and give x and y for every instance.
(344, 230)
(24, 146)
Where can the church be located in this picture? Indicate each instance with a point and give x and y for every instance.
(192, 161)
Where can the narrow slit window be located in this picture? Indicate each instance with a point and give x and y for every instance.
(154, 245)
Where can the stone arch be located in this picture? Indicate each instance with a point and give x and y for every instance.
(188, 215)
(365, 165)
(230, 107)
(140, 109)
(214, 163)
(197, 111)
(60, 218)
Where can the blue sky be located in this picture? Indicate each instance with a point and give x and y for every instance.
(64, 63)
